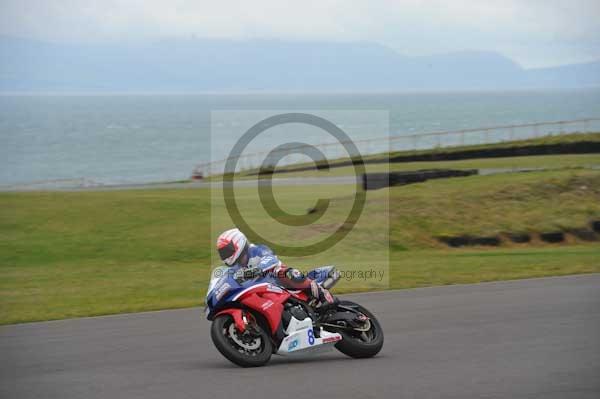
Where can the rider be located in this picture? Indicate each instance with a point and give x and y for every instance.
(236, 251)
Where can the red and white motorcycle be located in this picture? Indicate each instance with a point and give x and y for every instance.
(254, 318)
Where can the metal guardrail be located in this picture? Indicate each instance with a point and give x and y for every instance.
(420, 141)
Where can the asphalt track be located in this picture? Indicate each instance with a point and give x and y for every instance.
(80, 185)
(536, 338)
(281, 181)
(83, 185)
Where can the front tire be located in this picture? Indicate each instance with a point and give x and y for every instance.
(361, 344)
(253, 348)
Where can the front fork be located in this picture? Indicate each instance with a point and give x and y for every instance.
(239, 318)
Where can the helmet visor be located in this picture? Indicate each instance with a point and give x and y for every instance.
(227, 251)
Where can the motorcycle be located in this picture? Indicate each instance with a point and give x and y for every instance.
(253, 317)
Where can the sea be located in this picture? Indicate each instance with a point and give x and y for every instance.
(62, 140)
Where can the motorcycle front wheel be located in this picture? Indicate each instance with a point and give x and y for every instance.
(252, 348)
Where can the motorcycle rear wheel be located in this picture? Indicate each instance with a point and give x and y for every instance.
(253, 348)
(361, 344)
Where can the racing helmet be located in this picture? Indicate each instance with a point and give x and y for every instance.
(232, 246)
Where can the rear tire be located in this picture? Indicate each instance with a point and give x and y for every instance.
(353, 345)
(229, 346)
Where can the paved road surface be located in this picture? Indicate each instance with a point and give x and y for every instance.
(277, 181)
(535, 338)
(84, 185)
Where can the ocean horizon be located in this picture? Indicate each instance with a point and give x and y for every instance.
(126, 138)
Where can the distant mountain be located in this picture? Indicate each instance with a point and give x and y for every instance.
(227, 65)
(575, 75)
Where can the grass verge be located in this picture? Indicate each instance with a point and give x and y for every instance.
(72, 254)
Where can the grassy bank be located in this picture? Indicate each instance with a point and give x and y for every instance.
(373, 162)
(88, 253)
(490, 164)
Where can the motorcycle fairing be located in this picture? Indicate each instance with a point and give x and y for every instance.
(224, 290)
(301, 338)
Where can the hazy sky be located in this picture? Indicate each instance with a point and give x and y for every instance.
(532, 32)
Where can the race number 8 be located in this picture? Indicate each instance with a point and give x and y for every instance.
(311, 336)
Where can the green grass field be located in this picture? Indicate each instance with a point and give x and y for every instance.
(72, 254)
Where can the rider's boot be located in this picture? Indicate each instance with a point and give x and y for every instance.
(325, 300)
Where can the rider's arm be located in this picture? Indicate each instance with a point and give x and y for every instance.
(294, 279)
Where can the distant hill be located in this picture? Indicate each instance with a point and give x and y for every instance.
(227, 65)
